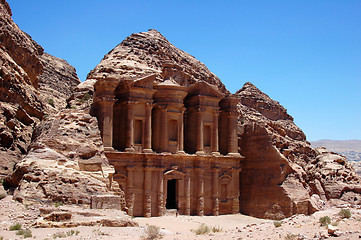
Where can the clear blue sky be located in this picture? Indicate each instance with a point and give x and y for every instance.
(304, 54)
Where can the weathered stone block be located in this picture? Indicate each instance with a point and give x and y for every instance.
(105, 202)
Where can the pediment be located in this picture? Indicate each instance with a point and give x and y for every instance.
(202, 88)
(173, 174)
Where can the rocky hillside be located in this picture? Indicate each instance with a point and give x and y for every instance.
(351, 149)
(33, 84)
(282, 174)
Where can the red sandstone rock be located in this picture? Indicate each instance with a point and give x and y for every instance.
(31, 82)
(281, 171)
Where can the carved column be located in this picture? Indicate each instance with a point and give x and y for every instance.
(187, 208)
(130, 128)
(200, 144)
(215, 144)
(147, 192)
(130, 193)
(106, 105)
(161, 194)
(235, 181)
(164, 129)
(181, 132)
(147, 147)
(215, 192)
(200, 202)
(232, 134)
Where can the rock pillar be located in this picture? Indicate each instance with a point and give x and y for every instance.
(106, 105)
(200, 200)
(147, 147)
(161, 194)
(181, 133)
(215, 144)
(147, 192)
(215, 192)
(164, 129)
(130, 128)
(130, 193)
(187, 208)
(199, 123)
(235, 181)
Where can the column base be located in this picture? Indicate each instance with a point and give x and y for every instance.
(233, 155)
(200, 153)
(216, 154)
(108, 149)
(130, 149)
(147, 150)
(181, 152)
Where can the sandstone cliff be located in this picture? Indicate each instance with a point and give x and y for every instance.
(150, 52)
(282, 175)
(66, 162)
(32, 85)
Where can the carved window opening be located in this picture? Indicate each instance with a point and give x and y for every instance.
(172, 194)
(138, 132)
(223, 192)
(207, 136)
(173, 130)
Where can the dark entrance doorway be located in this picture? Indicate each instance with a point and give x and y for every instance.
(171, 194)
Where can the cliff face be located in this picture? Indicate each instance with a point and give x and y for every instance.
(282, 175)
(149, 52)
(29, 78)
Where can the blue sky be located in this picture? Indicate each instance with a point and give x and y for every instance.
(304, 54)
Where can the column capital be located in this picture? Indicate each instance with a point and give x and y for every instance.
(200, 109)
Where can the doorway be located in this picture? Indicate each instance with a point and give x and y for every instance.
(171, 194)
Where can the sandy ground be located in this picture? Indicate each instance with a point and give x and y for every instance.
(236, 226)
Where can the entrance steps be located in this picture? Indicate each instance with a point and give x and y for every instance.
(171, 212)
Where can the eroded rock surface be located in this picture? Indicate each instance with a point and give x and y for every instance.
(282, 175)
(66, 162)
(29, 79)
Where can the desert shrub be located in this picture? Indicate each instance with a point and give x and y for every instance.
(277, 223)
(152, 232)
(291, 237)
(345, 213)
(216, 229)
(2, 195)
(85, 98)
(59, 235)
(51, 102)
(26, 233)
(334, 223)
(14, 227)
(202, 229)
(324, 221)
(58, 204)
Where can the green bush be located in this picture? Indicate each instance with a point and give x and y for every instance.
(58, 204)
(152, 232)
(324, 221)
(16, 226)
(51, 102)
(291, 237)
(202, 229)
(345, 213)
(277, 223)
(216, 229)
(26, 233)
(85, 98)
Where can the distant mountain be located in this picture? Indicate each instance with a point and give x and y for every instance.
(349, 148)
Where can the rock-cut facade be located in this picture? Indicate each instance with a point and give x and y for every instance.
(172, 146)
